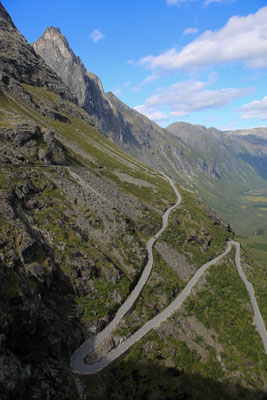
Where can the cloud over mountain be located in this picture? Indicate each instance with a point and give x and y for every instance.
(242, 39)
(254, 109)
(185, 97)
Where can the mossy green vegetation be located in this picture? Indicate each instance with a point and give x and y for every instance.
(160, 363)
(102, 150)
(254, 255)
(224, 305)
(229, 197)
(160, 290)
(3, 179)
(100, 303)
(195, 230)
(142, 374)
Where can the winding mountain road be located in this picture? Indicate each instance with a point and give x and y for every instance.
(88, 346)
(258, 321)
(77, 360)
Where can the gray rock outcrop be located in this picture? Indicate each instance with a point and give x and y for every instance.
(53, 47)
(19, 60)
(126, 127)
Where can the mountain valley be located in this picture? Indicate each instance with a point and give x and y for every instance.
(81, 194)
(206, 161)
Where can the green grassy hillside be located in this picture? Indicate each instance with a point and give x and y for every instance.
(76, 214)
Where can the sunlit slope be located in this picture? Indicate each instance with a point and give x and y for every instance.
(228, 178)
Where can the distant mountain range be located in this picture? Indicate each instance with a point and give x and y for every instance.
(220, 166)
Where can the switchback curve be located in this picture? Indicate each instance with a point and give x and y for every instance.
(77, 360)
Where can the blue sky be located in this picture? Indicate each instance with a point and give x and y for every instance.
(198, 61)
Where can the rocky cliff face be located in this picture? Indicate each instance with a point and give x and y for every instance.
(56, 228)
(18, 60)
(129, 129)
(53, 47)
(211, 146)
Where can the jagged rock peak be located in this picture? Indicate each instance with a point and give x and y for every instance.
(52, 33)
(54, 48)
(19, 61)
(52, 30)
(54, 36)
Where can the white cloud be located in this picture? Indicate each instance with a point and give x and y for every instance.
(255, 109)
(156, 116)
(172, 2)
(178, 2)
(151, 78)
(177, 113)
(118, 92)
(186, 97)
(190, 31)
(207, 2)
(130, 62)
(241, 39)
(96, 35)
(119, 89)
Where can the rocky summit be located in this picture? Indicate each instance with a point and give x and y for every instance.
(76, 214)
(19, 61)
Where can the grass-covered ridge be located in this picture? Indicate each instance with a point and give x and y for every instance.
(196, 230)
(100, 249)
(100, 149)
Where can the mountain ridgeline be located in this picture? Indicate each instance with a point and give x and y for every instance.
(76, 212)
(205, 160)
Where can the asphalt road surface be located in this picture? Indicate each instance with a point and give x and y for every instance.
(88, 346)
(258, 321)
(77, 359)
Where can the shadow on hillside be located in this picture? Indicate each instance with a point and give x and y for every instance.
(35, 355)
(130, 380)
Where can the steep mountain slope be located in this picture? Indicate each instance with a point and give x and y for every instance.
(254, 150)
(260, 132)
(75, 215)
(53, 47)
(19, 61)
(238, 169)
(129, 129)
(210, 145)
(218, 166)
(226, 150)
